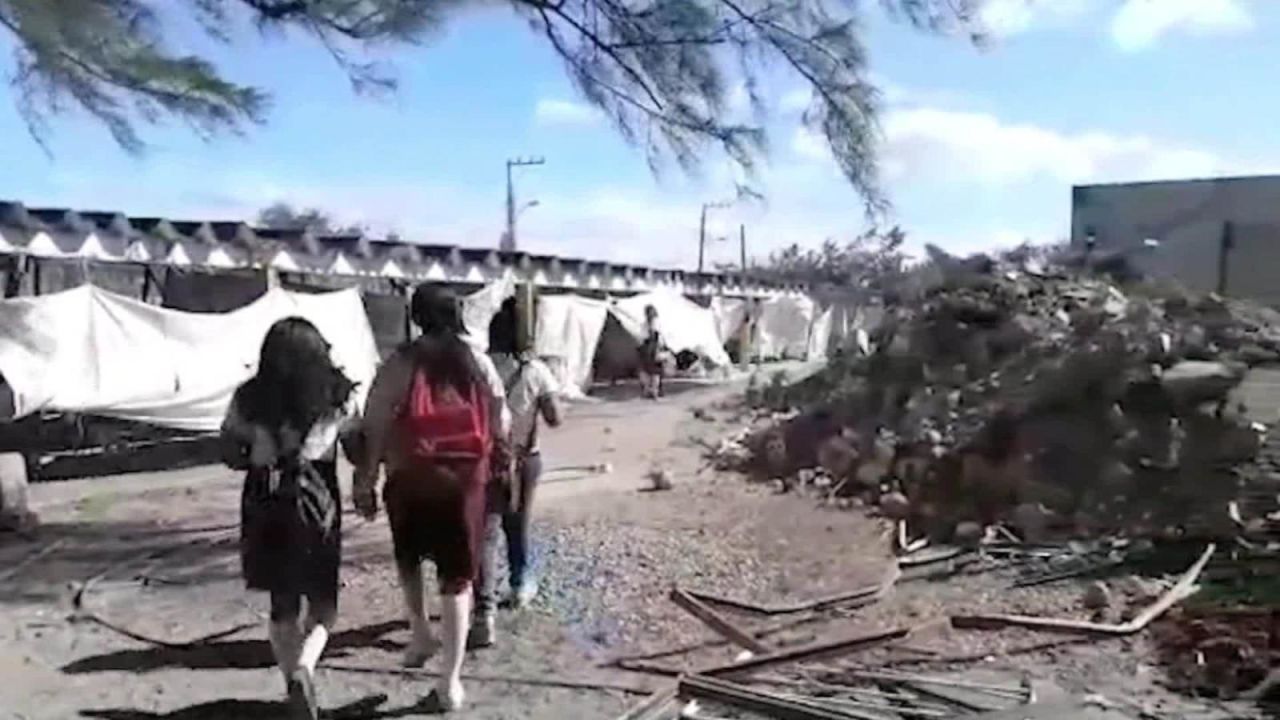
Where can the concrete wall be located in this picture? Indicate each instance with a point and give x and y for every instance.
(1187, 217)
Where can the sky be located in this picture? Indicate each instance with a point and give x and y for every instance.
(979, 144)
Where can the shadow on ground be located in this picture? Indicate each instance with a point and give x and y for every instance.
(363, 709)
(229, 654)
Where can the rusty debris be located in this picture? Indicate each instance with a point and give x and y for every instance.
(1185, 587)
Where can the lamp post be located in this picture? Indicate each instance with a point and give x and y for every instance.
(509, 239)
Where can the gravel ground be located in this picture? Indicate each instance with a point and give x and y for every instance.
(610, 553)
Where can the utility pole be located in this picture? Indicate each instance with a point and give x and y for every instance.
(702, 231)
(742, 245)
(508, 243)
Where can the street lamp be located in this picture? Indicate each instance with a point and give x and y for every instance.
(509, 240)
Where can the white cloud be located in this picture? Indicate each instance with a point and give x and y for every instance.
(550, 111)
(978, 147)
(1139, 24)
(1004, 18)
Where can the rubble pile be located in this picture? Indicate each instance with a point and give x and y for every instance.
(1048, 400)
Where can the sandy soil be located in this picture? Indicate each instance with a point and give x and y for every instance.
(159, 558)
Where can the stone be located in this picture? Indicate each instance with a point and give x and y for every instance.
(1097, 596)
(870, 474)
(968, 534)
(662, 479)
(1198, 381)
(1032, 521)
(895, 505)
(837, 456)
(14, 510)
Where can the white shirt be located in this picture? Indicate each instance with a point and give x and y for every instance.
(525, 386)
(321, 442)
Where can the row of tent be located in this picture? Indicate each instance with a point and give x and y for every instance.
(93, 351)
(572, 331)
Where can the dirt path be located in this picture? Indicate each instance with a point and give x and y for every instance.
(163, 549)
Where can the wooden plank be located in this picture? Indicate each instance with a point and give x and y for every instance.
(768, 704)
(717, 622)
(813, 651)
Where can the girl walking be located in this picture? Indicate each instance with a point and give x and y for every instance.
(436, 410)
(283, 428)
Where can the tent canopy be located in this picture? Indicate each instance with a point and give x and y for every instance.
(567, 336)
(88, 350)
(685, 324)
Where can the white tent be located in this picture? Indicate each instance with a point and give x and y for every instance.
(480, 307)
(783, 329)
(567, 335)
(820, 335)
(685, 324)
(89, 350)
(730, 313)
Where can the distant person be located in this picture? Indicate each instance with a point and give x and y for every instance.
(282, 428)
(435, 415)
(652, 349)
(531, 394)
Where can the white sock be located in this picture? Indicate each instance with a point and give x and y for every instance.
(455, 621)
(313, 648)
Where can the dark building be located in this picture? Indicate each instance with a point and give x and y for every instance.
(1217, 234)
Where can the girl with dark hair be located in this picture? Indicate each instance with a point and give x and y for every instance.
(282, 428)
(435, 415)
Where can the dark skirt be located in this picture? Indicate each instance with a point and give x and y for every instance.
(291, 531)
(436, 512)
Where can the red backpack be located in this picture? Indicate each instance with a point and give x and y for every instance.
(457, 428)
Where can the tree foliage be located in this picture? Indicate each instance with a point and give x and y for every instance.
(873, 262)
(660, 70)
(283, 216)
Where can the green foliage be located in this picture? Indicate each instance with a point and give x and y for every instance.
(283, 216)
(660, 70)
(107, 57)
(873, 261)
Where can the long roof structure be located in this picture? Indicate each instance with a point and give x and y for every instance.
(63, 233)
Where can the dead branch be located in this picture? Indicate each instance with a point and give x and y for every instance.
(1185, 587)
(95, 619)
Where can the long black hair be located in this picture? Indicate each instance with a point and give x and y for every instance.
(442, 350)
(297, 383)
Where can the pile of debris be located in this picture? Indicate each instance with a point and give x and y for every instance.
(1046, 399)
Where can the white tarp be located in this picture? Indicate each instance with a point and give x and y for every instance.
(783, 330)
(567, 335)
(685, 325)
(730, 314)
(89, 350)
(479, 308)
(820, 335)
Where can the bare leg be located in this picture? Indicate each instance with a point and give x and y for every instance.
(284, 633)
(455, 613)
(421, 645)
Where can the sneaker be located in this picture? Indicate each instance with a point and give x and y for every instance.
(482, 632)
(524, 594)
(438, 703)
(302, 696)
